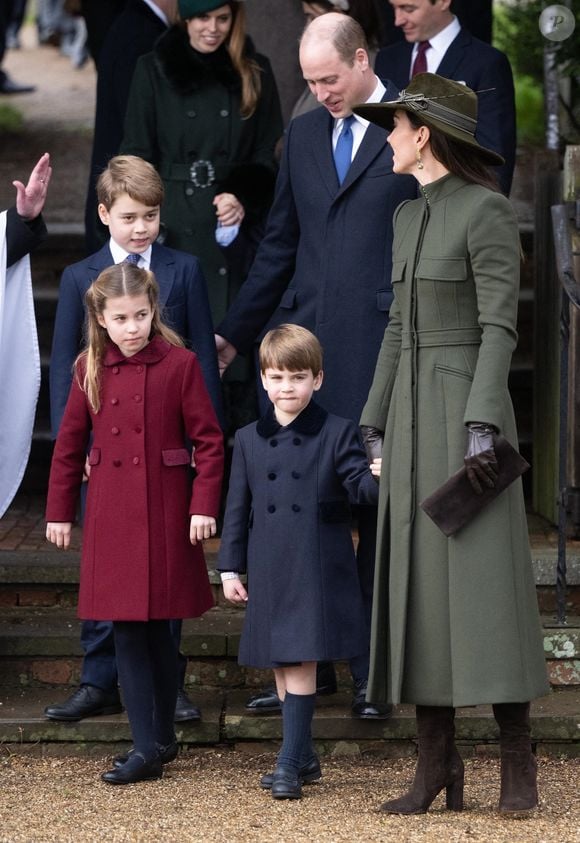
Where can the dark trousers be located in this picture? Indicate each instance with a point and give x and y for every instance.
(99, 663)
(147, 663)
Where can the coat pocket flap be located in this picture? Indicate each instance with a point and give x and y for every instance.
(94, 456)
(398, 271)
(442, 269)
(176, 456)
(288, 300)
(384, 299)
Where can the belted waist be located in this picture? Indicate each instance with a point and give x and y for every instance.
(202, 173)
(446, 336)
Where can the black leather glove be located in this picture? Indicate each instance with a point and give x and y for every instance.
(373, 441)
(480, 460)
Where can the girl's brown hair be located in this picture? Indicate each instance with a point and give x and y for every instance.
(122, 279)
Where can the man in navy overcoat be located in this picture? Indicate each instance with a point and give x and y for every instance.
(325, 260)
(456, 54)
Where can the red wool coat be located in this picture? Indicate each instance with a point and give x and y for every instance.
(137, 561)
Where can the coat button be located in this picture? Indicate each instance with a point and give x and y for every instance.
(273, 443)
(116, 463)
(222, 270)
(296, 475)
(271, 508)
(295, 507)
(115, 370)
(138, 429)
(271, 476)
(224, 112)
(115, 431)
(114, 401)
(297, 441)
(139, 369)
(137, 398)
(191, 113)
(189, 191)
(135, 460)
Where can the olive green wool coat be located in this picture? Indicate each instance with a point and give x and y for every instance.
(455, 620)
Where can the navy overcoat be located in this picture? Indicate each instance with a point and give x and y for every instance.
(325, 260)
(288, 525)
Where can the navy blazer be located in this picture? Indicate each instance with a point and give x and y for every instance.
(480, 66)
(185, 308)
(325, 260)
(22, 236)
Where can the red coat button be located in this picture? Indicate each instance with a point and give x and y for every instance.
(135, 460)
(139, 369)
(137, 398)
(115, 370)
(114, 401)
(115, 431)
(138, 429)
(116, 463)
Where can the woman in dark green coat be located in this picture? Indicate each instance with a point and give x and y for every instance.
(455, 619)
(204, 110)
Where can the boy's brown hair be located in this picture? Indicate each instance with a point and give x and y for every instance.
(131, 175)
(292, 348)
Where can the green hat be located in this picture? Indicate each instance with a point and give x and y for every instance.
(192, 8)
(440, 103)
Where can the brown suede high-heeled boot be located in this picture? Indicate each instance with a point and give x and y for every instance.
(439, 764)
(519, 788)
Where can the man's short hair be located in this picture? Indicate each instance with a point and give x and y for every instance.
(346, 35)
(133, 176)
(291, 347)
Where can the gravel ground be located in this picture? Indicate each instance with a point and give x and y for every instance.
(214, 796)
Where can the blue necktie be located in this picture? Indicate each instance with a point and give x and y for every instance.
(134, 259)
(343, 149)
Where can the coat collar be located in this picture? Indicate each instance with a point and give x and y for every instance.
(309, 422)
(153, 352)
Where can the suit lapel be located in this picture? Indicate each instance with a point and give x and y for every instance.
(454, 55)
(322, 146)
(163, 267)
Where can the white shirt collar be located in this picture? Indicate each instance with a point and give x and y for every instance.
(439, 44)
(119, 254)
(376, 96)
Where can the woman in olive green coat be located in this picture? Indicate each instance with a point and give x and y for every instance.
(455, 620)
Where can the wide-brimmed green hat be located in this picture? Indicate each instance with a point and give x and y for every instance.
(439, 103)
(192, 8)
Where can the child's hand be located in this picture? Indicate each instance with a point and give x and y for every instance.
(234, 591)
(59, 534)
(376, 467)
(201, 527)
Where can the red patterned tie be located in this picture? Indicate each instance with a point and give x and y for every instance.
(420, 63)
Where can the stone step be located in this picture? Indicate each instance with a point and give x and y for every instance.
(23, 728)
(41, 646)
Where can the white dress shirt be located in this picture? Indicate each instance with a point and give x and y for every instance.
(119, 255)
(439, 44)
(359, 125)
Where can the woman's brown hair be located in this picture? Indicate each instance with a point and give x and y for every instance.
(122, 279)
(248, 69)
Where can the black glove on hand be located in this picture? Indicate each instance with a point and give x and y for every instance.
(480, 460)
(373, 441)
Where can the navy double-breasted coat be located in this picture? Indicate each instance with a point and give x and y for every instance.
(137, 562)
(288, 525)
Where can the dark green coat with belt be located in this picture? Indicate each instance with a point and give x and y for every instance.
(455, 620)
(184, 117)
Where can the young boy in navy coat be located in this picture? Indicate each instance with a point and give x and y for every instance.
(130, 194)
(294, 474)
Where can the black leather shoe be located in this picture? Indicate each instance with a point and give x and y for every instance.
(264, 702)
(8, 86)
(137, 769)
(185, 709)
(364, 710)
(166, 754)
(86, 701)
(325, 679)
(285, 784)
(307, 774)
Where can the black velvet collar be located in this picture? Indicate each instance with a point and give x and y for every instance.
(186, 69)
(308, 422)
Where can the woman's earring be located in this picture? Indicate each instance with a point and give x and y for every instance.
(419, 159)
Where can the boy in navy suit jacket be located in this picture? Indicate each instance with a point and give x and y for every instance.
(130, 193)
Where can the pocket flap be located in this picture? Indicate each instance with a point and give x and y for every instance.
(176, 456)
(442, 269)
(94, 456)
(398, 271)
(288, 300)
(384, 300)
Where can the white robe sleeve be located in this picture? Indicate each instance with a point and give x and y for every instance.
(19, 370)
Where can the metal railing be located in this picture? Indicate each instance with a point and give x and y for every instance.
(568, 498)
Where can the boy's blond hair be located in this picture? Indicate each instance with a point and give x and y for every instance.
(131, 175)
(292, 348)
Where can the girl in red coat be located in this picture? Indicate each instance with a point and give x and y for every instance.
(141, 396)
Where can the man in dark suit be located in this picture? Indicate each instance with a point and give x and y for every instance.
(436, 42)
(132, 34)
(325, 260)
